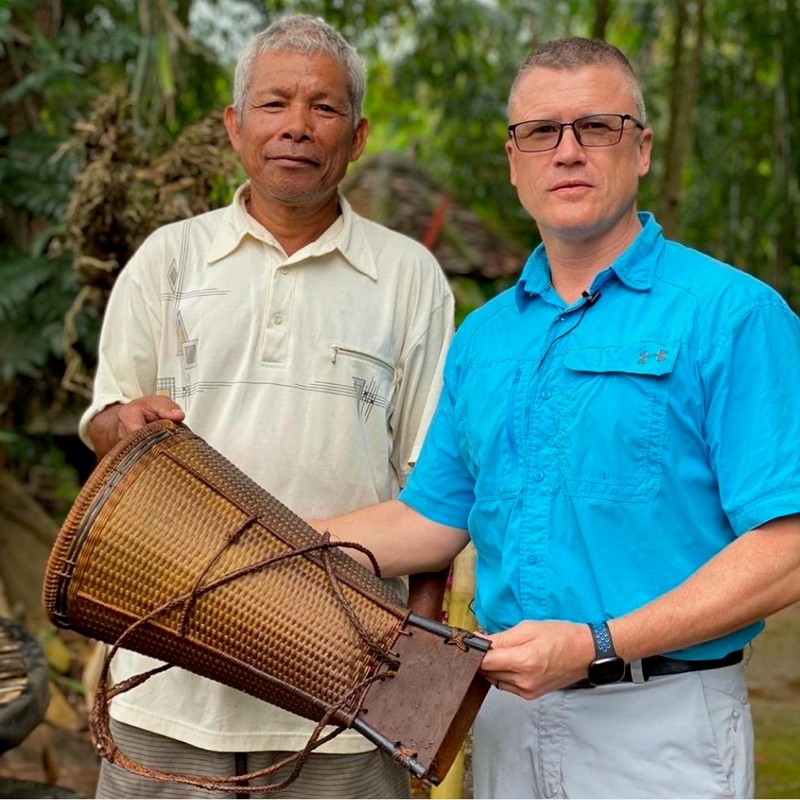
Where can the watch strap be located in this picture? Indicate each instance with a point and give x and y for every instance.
(601, 635)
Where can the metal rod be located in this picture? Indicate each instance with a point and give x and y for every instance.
(392, 748)
(446, 632)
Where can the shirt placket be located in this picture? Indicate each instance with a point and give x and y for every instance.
(540, 476)
(279, 303)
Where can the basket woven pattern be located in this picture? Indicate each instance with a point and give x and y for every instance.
(163, 523)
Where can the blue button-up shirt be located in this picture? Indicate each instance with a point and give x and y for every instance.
(600, 453)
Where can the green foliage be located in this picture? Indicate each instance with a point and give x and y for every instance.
(463, 61)
(58, 80)
(439, 74)
(469, 294)
(35, 295)
(739, 205)
(37, 176)
(438, 79)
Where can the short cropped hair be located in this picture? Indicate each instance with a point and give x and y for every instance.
(576, 52)
(302, 33)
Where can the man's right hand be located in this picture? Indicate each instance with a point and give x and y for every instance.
(116, 421)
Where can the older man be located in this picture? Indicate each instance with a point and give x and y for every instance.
(304, 343)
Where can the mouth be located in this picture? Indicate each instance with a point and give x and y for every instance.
(570, 186)
(291, 160)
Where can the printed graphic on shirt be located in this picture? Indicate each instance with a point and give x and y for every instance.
(365, 393)
(365, 377)
(187, 348)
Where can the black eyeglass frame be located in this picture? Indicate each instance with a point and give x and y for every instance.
(561, 125)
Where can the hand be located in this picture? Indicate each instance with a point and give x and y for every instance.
(534, 658)
(117, 421)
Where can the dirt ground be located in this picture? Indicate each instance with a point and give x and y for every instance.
(65, 758)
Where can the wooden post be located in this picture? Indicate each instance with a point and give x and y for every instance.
(459, 615)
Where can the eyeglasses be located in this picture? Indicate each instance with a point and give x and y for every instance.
(596, 130)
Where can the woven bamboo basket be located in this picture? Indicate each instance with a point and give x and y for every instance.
(171, 551)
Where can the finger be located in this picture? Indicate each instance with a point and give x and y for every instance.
(164, 407)
(494, 680)
(149, 409)
(497, 676)
(512, 637)
(174, 413)
(503, 659)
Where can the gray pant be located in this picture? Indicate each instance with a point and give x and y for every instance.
(678, 736)
(371, 774)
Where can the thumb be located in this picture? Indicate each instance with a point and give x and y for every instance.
(512, 637)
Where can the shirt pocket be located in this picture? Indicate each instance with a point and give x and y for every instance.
(614, 420)
(368, 376)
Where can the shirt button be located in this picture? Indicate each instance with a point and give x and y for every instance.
(538, 475)
(283, 270)
(277, 319)
(546, 394)
(532, 559)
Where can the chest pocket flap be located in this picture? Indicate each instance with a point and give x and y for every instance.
(641, 358)
(620, 393)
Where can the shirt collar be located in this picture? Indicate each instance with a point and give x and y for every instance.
(346, 235)
(635, 266)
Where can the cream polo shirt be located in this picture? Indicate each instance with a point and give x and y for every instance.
(316, 374)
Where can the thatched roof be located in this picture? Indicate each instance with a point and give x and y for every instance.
(390, 189)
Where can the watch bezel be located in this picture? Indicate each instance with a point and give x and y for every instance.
(605, 671)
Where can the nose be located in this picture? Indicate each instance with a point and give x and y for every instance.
(569, 148)
(296, 123)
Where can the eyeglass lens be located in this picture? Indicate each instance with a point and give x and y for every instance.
(598, 130)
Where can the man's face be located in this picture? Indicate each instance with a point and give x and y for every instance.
(575, 193)
(295, 136)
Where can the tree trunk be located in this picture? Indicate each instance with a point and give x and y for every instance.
(785, 177)
(682, 102)
(602, 14)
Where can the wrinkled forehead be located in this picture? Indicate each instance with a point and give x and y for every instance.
(292, 67)
(566, 93)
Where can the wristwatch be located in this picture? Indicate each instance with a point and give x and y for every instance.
(607, 666)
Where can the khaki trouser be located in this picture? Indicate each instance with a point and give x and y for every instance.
(676, 736)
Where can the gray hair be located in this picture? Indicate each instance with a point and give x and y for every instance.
(309, 36)
(576, 52)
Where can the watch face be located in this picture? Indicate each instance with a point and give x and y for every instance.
(606, 670)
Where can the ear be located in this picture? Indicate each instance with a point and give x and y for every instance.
(359, 139)
(645, 146)
(233, 127)
(510, 153)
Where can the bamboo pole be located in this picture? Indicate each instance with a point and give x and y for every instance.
(459, 615)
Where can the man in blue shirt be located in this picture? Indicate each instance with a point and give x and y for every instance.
(618, 436)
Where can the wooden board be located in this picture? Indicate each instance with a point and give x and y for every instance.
(428, 708)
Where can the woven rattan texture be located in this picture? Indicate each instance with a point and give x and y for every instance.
(163, 517)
